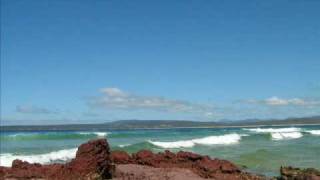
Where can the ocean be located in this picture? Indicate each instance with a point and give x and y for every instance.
(260, 150)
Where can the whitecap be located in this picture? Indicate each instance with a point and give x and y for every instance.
(286, 135)
(124, 145)
(99, 134)
(61, 155)
(273, 130)
(224, 139)
(314, 132)
(174, 144)
(209, 140)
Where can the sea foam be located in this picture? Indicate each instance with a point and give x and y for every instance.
(124, 145)
(53, 135)
(286, 135)
(209, 140)
(314, 132)
(274, 130)
(55, 156)
(279, 133)
(99, 134)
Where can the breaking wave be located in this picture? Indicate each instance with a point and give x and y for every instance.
(210, 140)
(273, 130)
(124, 145)
(314, 132)
(55, 156)
(286, 135)
(279, 133)
(99, 134)
(53, 135)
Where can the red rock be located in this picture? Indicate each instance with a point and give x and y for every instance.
(144, 154)
(92, 162)
(288, 173)
(92, 158)
(188, 156)
(169, 155)
(120, 157)
(203, 166)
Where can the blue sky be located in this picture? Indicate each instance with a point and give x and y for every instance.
(96, 61)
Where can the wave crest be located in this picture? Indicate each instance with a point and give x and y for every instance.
(279, 133)
(55, 156)
(274, 130)
(99, 134)
(210, 140)
(286, 135)
(53, 135)
(314, 132)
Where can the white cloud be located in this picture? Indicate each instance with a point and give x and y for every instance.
(276, 101)
(113, 92)
(114, 98)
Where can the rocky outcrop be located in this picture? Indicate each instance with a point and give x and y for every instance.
(203, 166)
(92, 161)
(290, 173)
(141, 172)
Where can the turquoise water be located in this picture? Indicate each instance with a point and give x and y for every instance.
(261, 150)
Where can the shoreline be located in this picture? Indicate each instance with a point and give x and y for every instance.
(94, 160)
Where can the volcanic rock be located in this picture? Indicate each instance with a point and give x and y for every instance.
(92, 161)
(203, 166)
(290, 173)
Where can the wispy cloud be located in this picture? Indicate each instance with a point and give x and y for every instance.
(276, 101)
(34, 110)
(114, 98)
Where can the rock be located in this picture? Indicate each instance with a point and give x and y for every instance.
(120, 157)
(203, 166)
(141, 172)
(189, 156)
(92, 161)
(144, 154)
(290, 173)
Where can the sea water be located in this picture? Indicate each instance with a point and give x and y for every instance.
(260, 150)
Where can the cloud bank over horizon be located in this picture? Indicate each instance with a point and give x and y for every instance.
(115, 98)
(114, 102)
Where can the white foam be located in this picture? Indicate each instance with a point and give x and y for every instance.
(124, 145)
(274, 130)
(210, 140)
(286, 135)
(175, 144)
(314, 132)
(99, 134)
(61, 155)
(224, 139)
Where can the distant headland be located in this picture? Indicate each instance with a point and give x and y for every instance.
(159, 124)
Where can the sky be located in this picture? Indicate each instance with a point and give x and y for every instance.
(82, 61)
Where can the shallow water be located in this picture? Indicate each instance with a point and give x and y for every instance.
(261, 150)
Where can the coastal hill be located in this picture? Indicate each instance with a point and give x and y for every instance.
(156, 124)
